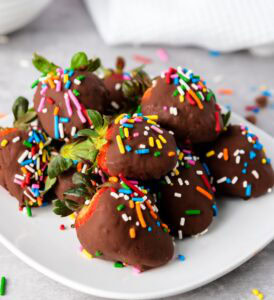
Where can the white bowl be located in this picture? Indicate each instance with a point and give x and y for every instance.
(15, 14)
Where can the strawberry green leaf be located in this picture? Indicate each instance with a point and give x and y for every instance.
(79, 191)
(79, 60)
(93, 65)
(58, 165)
(20, 107)
(42, 64)
(96, 119)
(72, 205)
(60, 208)
(81, 179)
(88, 132)
(226, 118)
(50, 182)
(24, 121)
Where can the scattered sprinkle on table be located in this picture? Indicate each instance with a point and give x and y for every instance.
(225, 91)
(62, 227)
(181, 257)
(142, 59)
(3, 286)
(162, 54)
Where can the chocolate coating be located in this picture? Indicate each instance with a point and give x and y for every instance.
(93, 95)
(133, 165)
(178, 195)
(106, 231)
(191, 123)
(244, 164)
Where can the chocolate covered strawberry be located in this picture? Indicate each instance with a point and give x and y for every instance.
(185, 197)
(185, 105)
(24, 157)
(121, 224)
(125, 88)
(135, 146)
(63, 95)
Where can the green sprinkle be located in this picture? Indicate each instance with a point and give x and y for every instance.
(120, 207)
(118, 264)
(29, 213)
(35, 83)
(208, 96)
(175, 93)
(27, 144)
(76, 92)
(187, 166)
(157, 153)
(121, 131)
(196, 77)
(139, 109)
(124, 186)
(3, 286)
(81, 77)
(183, 77)
(199, 95)
(98, 253)
(191, 212)
(165, 229)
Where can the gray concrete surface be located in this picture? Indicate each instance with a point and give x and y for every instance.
(65, 28)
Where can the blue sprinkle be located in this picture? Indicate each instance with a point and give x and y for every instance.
(56, 129)
(268, 160)
(128, 148)
(267, 93)
(252, 154)
(214, 53)
(139, 114)
(44, 85)
(158, 223)
(228, 180)
(26, 162)
(248, 190)
(64, 120)
(66, 71)
(125, 191)
(45, 203)
(215, 210)
(244, 171)
(245, 164)
(36, 137)
(149, 229)
(206, 168)
(176, 80)
(42, 137)
(137, 199)
(142, 151)
(127, 74)
(68, 84)
(127, 125)
(75, 161)
(256, 110)
(31, 138)
(258, 146)
(181, 257)
(71, 72)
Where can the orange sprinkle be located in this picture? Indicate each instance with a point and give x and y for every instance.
(56, 110)
(153, 214)
(225, 151)
(131, 204)
(24, 170)
(79, 167)
(204, 192)
(113, 179)
(140, 215)
(39, 201)
(195, 97)
(132, 233)
(5, 131)
(52, 85)
(225, 91)
(171, 153)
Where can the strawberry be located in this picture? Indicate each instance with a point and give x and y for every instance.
(185, 105)
(118, 225)
(63, 95)
(134, 146)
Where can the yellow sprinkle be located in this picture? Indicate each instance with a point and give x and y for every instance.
(158, 143)
(120, 144)
(119, 118)
(65, 78)
(41, 145)
(113, 179)
(56, 110)
(30, 203)
(261, 296)
(171, 153)
(152, 117)
(39, 172)
(130, 121)
(264, 161)
(151, 141)
(255, 292)
(176, 171)
(144, 191)
(51, 84)
(24, 170)
(162, 139)
(44, 155)
(126, 132)
(4, 143)
(72, 216)
(210, 153)
(181, 98)
(87, 254)
(151, 122)
(181, 155)
(132, 233)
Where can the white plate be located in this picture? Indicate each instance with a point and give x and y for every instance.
(241, 230)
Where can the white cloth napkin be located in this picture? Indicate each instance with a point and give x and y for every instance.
(222, 25)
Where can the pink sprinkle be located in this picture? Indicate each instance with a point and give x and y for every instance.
(135, 182)
(41, 104)
(156, 129)
(68, 106)
(162, 54)
(126, 77)
(124, 120)
(81, 116)
(81, 248)
(35, 186)
(174, 76)
(135, 134)
(213, 189)
(165, 108)
(138, 120)
(191, 162)
(41, 178)
(43, 91)
(136, 270)
(75, 100)
(187, 151)
(102, 176)
(58, 85)
(17, 181)
(60, 71)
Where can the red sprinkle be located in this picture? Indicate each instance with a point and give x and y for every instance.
(217, 116)
(206, 182)
(62, 227)
(190, 100)
(250, 107)
(51, 101)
